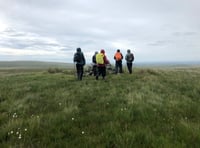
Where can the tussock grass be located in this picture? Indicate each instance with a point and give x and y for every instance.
(150, 108)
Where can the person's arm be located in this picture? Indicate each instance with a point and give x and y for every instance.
(126, 57)
(84, 60)
(133, 57)
(106, 61)
(122, 55)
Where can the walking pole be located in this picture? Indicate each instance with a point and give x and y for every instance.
(74, 69)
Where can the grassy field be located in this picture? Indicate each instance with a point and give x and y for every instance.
(150, 108)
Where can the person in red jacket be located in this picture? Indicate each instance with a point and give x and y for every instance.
(102, 66)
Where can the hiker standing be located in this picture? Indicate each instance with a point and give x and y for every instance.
(101, 60)
(129, 60)
(118, 61)
(94, 66)
(79, 59)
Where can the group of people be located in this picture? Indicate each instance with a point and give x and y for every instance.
(100, 61)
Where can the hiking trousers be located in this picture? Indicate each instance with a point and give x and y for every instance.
(79, 70)
(101, 71)
(94, 70)
(118, 67)
(129, 66)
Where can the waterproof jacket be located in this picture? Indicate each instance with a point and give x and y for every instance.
(129, 57)
(79, 58)
(94, 59)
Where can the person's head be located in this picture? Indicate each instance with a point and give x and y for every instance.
(78, 49)
(96, 52)
(118, 50)
(103, 51)
(128, 51)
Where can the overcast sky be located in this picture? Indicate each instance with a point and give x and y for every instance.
(51, 30)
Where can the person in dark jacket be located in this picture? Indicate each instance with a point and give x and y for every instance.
(102, 67)
(129, 60)
(79, 59)
(94, 64)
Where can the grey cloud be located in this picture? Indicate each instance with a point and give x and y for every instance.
(189, 33)
(21, 40)
(64, 25)
(160, 43)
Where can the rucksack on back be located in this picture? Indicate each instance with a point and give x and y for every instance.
(118, 56)
(131, 57)
(99, 58)
(77, 57)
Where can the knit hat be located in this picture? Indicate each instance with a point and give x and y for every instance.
(102, 51)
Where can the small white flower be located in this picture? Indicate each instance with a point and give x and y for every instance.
(83, 132)
(11, 132)
(20, 137)
(25, 129)
(15, 115)
(17, 133)
(60, 104)
(38, 116)
(122, 109)
(72, 119)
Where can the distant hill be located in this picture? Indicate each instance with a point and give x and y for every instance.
(33, 65)
(7, 65)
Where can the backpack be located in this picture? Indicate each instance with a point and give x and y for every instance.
(99, 58)
(77, 57)
(130, 57)
(118, 56)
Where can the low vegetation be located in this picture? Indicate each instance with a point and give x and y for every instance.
(150, 108)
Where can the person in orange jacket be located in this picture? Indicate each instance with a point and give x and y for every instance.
(118, 61)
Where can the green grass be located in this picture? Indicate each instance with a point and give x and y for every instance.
(150, 108)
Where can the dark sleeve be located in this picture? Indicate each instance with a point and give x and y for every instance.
(126, 57)
(83, 59)
(122, 56)
(94, 59)
(106, 60)
(133, 57)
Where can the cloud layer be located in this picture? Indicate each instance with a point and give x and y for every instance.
(51, 30)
